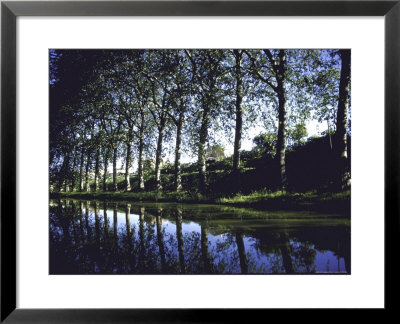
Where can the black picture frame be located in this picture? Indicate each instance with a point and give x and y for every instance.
(10, 10)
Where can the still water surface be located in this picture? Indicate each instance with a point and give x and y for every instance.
(91, 237)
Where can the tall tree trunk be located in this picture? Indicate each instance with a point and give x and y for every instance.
(66, 185)
(105, 174)
(127, 166)
(115, 152)
(73, 176)
(329, 132)
(201, 158)
(278, 66)
(158, 158)
(140, 160)
(87, 185)
(97, 170)
(341, 123)
(281, 143)
(239, 112)
(64, 173)
(178, 179)
(81, 170)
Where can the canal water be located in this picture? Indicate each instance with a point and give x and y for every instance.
(93, 237)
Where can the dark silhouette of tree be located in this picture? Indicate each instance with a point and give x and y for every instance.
(341, 121)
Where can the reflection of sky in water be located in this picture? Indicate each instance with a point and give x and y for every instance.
(328, 262)
(325, 261)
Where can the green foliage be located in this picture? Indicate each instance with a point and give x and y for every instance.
(298, 134)
(265, 144)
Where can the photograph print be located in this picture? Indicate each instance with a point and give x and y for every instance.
(199, 161)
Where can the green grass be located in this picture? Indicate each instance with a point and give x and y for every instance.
(281, 200)
(137, 196)
(261, 200)
(262, 195)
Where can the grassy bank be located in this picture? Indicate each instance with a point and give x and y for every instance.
(261, 200)
(312, 200)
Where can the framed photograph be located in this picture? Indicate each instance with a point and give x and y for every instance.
(181, 148)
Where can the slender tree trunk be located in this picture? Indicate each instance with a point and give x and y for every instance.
(329, 132)
(127, 166)
(59, 182)
(341, 123)
(140, 160)
(281, 143)
(178, 179)
(97, 170)
(64, 173)
(202, 167)
(158, 158)
(81, 170)
(278, 66)
(201, 158)
(239, 112)
(73, 188)
(87, 185)
(115, 152)
(105, 174)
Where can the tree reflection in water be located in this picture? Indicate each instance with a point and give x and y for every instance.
(180, 239)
